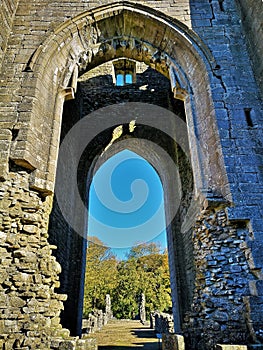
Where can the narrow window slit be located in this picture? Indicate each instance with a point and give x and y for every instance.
(14, 134)
(221, 5)
(248, 117)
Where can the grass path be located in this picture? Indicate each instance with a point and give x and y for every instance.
(126, 335)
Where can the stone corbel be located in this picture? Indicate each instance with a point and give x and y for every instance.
(69, 92)
(178, 87)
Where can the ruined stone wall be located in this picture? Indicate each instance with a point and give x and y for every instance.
(161, 322)
(30, 307)
(239, 113)
(224, 265)
(98, 90)
(30, 124)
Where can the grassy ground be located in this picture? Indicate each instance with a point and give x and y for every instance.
(126, 335)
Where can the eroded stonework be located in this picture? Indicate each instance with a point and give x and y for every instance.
(30, 307)
(202, 61)
(223, 264)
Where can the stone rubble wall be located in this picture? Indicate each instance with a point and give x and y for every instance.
(162, 322)
(29, 306)
(95, 321)
(224, 265)
(29, 274)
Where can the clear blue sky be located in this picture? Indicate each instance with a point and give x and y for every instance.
(126, 204)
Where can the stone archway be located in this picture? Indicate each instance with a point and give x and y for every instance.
(155, 127)
(114, 31)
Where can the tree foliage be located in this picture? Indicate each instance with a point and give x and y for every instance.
(144, 271)
(101, 275)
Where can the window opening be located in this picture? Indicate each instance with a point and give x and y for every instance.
(221, 5)
(120, 80)
(248, 117)
(124, 72)
(128, 78)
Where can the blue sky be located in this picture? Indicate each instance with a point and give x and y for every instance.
(126, 204)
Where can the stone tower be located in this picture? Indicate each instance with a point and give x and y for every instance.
(191, 77)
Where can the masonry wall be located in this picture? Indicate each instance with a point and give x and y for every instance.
(252, 18)
(7, 13)
(30, 307)
(235, 92)
(237, 108)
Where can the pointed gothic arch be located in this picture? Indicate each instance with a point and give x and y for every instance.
(112, 31)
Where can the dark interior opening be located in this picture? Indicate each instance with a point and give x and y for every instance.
(94, 93)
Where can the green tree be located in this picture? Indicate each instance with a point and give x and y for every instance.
(124, 298)
(145, 271)
(100, 276)
(144, 249)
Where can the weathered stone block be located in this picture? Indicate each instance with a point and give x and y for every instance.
(87, 344)
(172, 342)
(15, 301)
(30, 228)
(67, 345)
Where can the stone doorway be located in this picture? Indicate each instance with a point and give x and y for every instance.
(221, 299)
(97, 92)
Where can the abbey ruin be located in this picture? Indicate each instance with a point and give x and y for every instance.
(188, 73)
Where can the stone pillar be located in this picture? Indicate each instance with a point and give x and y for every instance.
(108, 311)
(152, 320)
(253, 311)
(142, 311)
